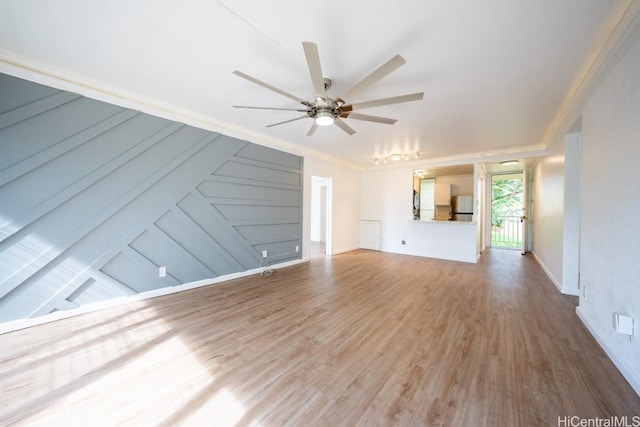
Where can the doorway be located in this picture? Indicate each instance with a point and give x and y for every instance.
(320, 220)
(507, 211)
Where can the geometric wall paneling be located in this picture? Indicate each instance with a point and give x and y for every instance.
(94, 198)
(18, 93)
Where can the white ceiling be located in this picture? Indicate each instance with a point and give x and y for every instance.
(495, 73)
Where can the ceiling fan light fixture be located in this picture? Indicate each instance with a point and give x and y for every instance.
(324, 118)
(325, 110)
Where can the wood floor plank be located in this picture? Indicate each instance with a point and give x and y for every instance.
(362, 338)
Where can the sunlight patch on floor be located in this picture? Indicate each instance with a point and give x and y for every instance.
(222, 409)
(137, 372)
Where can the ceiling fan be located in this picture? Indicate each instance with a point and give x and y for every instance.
(325, 110)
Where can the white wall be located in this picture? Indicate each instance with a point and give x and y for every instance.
(610, 212)
(555, 216)
(547, 209)
(316, 207)
(344, 205)
(571, 223)
(386, 195)
(324, 194)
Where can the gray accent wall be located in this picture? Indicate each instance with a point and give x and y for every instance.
(94, 198)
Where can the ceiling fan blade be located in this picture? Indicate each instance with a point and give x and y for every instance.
(313, 128)
(368, 118)
(380, 73)
(315, 69)
(383, 101)
(287, 121)
(268, 108)
(345, 127)
(268, 86)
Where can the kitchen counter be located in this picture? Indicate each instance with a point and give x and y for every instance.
(452, 240)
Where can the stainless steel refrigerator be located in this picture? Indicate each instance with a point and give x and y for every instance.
(462, 207)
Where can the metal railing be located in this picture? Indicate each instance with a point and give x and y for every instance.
(506, 231)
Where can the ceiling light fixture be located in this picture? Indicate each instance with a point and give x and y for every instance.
(509, 162)
(396, 157)
(324, 118)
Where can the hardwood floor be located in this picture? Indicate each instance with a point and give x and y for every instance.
(362, 338)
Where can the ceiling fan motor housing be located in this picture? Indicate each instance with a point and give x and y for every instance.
(330, 110)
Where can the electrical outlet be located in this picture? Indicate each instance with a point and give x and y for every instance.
(264, 254)
(162, 271)
(297, 248)
(623, 323)
(584, 292)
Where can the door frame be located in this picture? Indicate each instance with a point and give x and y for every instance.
(325, 208)
(524, 218)
(525, 207)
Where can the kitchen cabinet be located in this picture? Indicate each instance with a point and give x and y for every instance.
(442, 194)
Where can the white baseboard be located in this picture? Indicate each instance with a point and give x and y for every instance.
(63, 314)
(471, 260)
(563, 289)
(548, 273)
(343, 250)
(570, 291)
(623, 367)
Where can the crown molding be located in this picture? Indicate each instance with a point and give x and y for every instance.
(60, 79)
